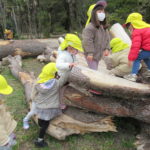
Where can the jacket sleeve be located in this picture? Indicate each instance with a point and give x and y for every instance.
(33, 91)
(108, 40)
(61, 64)
(111, 61)
(4, 138)
(136, 45)
(114, 59)
(108, 62)
(88, 41)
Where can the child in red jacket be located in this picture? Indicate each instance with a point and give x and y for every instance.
(140, 48)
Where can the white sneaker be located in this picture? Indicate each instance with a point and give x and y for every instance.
(25, 124)
(131, 77)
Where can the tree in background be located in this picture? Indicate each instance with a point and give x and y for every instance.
(41, 18)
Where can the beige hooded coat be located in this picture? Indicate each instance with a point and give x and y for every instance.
(7, 124)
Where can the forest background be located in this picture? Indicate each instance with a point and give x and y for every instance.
(44, 18)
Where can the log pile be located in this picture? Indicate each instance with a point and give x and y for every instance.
(73, 120)
(86, 112)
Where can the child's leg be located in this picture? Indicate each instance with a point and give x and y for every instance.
(28, 116)
(30, 113)
(5, 148)
(147, 62)
(143, 55)
(43, 127)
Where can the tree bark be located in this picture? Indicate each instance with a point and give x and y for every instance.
(108, 105)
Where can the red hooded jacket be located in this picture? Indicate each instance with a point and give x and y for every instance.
(140, 41)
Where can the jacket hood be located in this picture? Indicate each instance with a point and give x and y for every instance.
(118, 45)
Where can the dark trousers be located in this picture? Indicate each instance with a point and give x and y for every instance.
(43, 127)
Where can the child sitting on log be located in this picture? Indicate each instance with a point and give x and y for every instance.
(46, 103)
(7, 123)
(117, 62)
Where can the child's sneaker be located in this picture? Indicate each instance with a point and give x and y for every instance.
(25, 124)
(131, 77)
(40, 144)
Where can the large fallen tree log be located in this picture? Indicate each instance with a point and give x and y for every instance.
(109, 85)
(73, 120)
(26, 47)
(108, 105)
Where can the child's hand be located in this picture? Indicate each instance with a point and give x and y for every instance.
(72, 65)
(89, 58)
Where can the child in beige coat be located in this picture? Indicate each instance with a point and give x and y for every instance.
(117, 62)
(7, 123)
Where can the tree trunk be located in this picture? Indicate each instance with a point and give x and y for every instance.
(15, 20)
(73, 120)
(109, 85)
(107, 105)
(26, 47)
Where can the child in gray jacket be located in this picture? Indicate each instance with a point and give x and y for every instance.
(46, 100)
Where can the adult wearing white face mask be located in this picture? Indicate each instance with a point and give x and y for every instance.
(95, 35)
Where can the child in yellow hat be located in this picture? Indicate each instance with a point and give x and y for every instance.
(7, 124)
(67, 57)
(46, 103)
(117, 62)
(95, 35)
(8, 34)
(140, 48)
(48, 72)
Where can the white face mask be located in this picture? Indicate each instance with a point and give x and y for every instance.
(101, 16)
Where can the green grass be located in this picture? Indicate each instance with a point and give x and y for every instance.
(122, 140)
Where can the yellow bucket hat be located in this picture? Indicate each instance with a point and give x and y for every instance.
(136, 20)
(89, 13)
(48, 72)
(118, 45)
(73, 41)
(4, 87)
